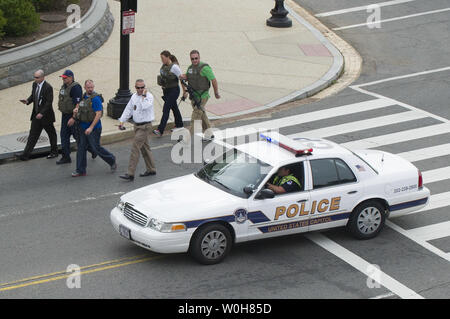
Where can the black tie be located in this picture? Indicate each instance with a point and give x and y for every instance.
(36, 99)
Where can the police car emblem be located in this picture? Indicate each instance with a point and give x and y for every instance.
(240, 216)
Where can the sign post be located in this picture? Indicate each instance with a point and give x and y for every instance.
(127, 26)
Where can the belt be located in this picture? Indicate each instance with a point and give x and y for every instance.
(142, 123)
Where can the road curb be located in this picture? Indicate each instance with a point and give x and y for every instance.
(58, 50)
(352, 59)
(344, 71)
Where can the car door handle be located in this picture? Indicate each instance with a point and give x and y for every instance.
(302, 200)
(352, 192)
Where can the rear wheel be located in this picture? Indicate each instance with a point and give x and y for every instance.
(211, 244)
(367, 220)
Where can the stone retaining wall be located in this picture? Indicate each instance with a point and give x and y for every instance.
(58, 50)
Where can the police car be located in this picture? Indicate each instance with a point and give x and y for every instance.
(227, 201)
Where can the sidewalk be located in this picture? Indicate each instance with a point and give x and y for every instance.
(257, 67)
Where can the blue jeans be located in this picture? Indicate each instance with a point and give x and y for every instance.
(93, 141)
(170, 103)
(66, 132)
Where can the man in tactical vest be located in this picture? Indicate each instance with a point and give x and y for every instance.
(200, 77)
(90, 110)
(70, 96)
(284, 182)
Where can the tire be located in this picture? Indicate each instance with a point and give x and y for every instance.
(211, 244)
(367, 220)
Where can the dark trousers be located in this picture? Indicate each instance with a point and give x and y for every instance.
(170, 97)
(66, 132)
(35, 132)
(93, 141)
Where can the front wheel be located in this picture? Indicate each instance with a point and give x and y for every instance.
(211, 244)
(367, 220)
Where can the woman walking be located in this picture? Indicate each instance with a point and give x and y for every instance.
(168, 80)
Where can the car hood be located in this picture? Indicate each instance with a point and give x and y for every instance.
(183, 198)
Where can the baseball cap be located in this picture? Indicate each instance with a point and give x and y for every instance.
(66, 74)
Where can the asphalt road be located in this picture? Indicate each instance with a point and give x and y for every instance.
(49, 220)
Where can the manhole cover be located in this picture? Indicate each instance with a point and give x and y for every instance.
(53, 18)
(24, 139)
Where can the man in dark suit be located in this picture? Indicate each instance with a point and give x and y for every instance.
(42, 116)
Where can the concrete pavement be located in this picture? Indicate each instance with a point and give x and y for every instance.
(257, 67)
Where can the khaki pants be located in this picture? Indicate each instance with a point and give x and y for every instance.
(199, 115)
(140, 144)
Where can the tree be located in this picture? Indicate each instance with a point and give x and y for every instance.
(21, 17)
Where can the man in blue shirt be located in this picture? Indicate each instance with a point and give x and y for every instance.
(89, 112)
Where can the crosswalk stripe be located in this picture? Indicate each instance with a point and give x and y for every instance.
(426, 153)
(398, 137)
(360, 125)
(363, 266)
(431, 232)
(306, 117)
(436, 175)
(392, 19)
(361, 8)
(419, 241)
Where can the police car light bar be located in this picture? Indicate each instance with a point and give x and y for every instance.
(291, 148)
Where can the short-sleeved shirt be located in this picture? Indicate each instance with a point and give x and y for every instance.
(290, 186)
(175, 69)
(208, 73)
(96, 106)
(76, 94)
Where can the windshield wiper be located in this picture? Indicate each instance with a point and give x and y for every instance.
(208, 178)
(221, 184)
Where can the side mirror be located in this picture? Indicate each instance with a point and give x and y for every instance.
(265, 193)
(249, 189)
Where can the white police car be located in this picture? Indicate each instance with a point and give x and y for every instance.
(227, 201)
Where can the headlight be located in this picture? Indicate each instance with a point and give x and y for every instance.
(166, 227)
(121, 205)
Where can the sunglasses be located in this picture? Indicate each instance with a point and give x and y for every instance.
(140, 87)
(193, 59)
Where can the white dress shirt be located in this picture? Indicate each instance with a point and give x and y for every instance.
(39, 88)
(139, 108)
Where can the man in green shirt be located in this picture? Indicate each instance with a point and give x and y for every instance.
(200, 77)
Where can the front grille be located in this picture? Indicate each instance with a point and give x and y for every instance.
(134, 215)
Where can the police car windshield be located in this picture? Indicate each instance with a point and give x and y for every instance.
(233, 171)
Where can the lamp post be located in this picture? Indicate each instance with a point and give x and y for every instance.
(117, 104)
(279, 17)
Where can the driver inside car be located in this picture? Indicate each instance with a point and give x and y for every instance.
(284, 182)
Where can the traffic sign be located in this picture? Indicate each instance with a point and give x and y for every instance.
(128, 22)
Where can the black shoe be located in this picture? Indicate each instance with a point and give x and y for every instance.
(127, 177)
(52, 155)
(64, 161)
(94, 155)
(22, 157)
(147, 173)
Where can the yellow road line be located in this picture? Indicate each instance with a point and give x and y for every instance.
(63, 272)
(117, 262)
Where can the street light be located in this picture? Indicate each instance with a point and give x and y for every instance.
(279, 17)
(117, 104)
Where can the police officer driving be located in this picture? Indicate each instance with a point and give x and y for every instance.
(284, 182)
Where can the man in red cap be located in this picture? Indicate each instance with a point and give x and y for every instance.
(70, 96)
